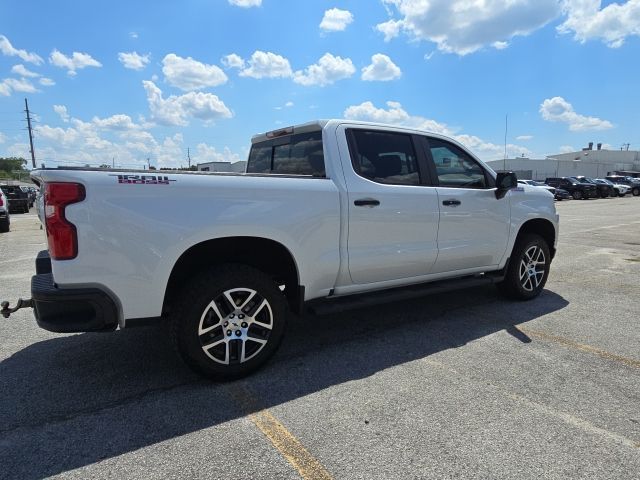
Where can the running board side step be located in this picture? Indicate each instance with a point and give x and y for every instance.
(326, 306)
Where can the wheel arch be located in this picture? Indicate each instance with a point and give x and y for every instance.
(542, 227)
(268, 256)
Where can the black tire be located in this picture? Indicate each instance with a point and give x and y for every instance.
(4, 225)
(204, 306)
(520, 265)
(577, 195)
(635, 192)
(25, 209)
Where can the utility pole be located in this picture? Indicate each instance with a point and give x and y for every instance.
(189, 157)
(148, 164)
(113, 162)
(33, 154)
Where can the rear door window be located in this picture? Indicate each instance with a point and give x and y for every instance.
(384, 157)
(299, 154)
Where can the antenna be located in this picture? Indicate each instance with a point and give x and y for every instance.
(33, 153)
(506, 124)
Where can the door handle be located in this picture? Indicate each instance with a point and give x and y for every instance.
(366, 202)
(451, 203)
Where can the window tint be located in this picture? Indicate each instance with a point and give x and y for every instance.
(454, 167)
(385, 157)
(299, 154)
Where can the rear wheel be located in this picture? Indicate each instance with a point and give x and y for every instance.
(528, 268)
(229, 322)
(635, 191)
(4, 225)
(577, 195)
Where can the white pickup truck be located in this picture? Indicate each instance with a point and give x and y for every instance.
(327, 213)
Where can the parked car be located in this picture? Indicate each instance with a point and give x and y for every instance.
(562, 194)
(18, 200)
(5, 218)
(632, 183)
(418, 208)
(31, 192)
(533, 183)
(603, 190)
(578, 190)
(619, 189)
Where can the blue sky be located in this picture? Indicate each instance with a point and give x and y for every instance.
(125, 81)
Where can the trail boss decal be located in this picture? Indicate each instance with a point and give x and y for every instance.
(143, 179)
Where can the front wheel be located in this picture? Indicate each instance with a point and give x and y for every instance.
(228, 322)
(577, 195)
(528, 268)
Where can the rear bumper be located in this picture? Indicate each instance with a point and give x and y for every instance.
(70, 309)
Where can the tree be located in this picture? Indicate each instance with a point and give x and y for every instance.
(11, 164)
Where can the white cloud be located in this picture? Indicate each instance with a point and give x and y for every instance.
(17, 85)
(336, 20)
(288, 104)
(133, 60)
(611, 24)
(382, 69)
(133, 35)
(189, 74)
(23, 71)
(61, 110)
(7, 49)
(115, 122)
(465, 26)
(47, 82)
(524, 137)
(232, 61)
(328, 70)
(567, 149)
(3, 137)
(76, 61)
(557, 109)
(205, 153)
(396, 115)
(246, 3)
(500, 45)
(267, 65)
(176, 110)
(390, 29)
(114, 139)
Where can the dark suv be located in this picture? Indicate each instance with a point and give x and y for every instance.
(578, 190)
(634, 185)
(18, 199)
(604, 190)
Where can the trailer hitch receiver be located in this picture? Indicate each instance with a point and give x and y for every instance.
(6, 311)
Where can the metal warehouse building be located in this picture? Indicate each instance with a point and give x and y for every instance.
(591, 163)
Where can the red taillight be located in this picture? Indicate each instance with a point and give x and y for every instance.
(61, 234)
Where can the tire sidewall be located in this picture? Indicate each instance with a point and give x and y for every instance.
(200, 293)
(513, 275)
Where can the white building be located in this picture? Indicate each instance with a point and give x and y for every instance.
(237, 167)
(591, 163)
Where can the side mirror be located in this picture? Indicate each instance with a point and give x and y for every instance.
(505, 181)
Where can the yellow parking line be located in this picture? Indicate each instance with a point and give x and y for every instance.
(282, 439)
(630, 362)
(289, 446)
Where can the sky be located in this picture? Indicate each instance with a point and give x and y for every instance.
(136, 83)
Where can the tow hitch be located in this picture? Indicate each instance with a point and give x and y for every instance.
(6, 311)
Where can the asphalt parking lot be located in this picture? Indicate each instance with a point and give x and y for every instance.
(462, 385)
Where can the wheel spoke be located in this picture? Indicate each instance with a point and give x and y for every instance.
(214, 344)
(210, 307)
